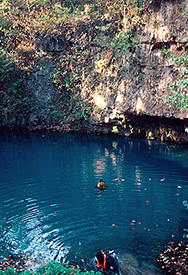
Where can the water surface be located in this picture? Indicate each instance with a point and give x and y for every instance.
(50, 209)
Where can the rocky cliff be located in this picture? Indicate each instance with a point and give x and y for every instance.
(80, 80)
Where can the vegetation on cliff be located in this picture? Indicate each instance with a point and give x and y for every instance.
(180, 97)
(93, 47)
(79, 25)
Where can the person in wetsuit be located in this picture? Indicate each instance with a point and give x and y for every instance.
(106, 263)
(101, 185)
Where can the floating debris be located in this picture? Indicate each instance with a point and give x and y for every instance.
(17, 262)
(174, 259)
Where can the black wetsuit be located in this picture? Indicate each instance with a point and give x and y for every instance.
(111, 265)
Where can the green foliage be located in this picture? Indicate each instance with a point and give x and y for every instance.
(51, 268)
(185, 235)
(167, 52)
(138, 3)
(180, 96)
(185, 203)
(14, 101)
(9, 271)
(122, 42)
(115, 130)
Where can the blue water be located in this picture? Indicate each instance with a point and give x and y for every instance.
(49, 208)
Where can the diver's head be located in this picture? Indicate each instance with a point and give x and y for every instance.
(100, 257)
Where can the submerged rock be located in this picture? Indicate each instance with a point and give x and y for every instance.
(129, 265)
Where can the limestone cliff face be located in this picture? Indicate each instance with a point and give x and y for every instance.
(146, 72)
(166, 30)
(122, 94)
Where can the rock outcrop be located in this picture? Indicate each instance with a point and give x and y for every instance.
(116, 94)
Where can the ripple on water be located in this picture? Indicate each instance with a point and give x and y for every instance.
(51, 210)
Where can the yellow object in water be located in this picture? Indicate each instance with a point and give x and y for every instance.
(101, 185)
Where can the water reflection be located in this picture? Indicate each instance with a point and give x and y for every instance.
(137, 178)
